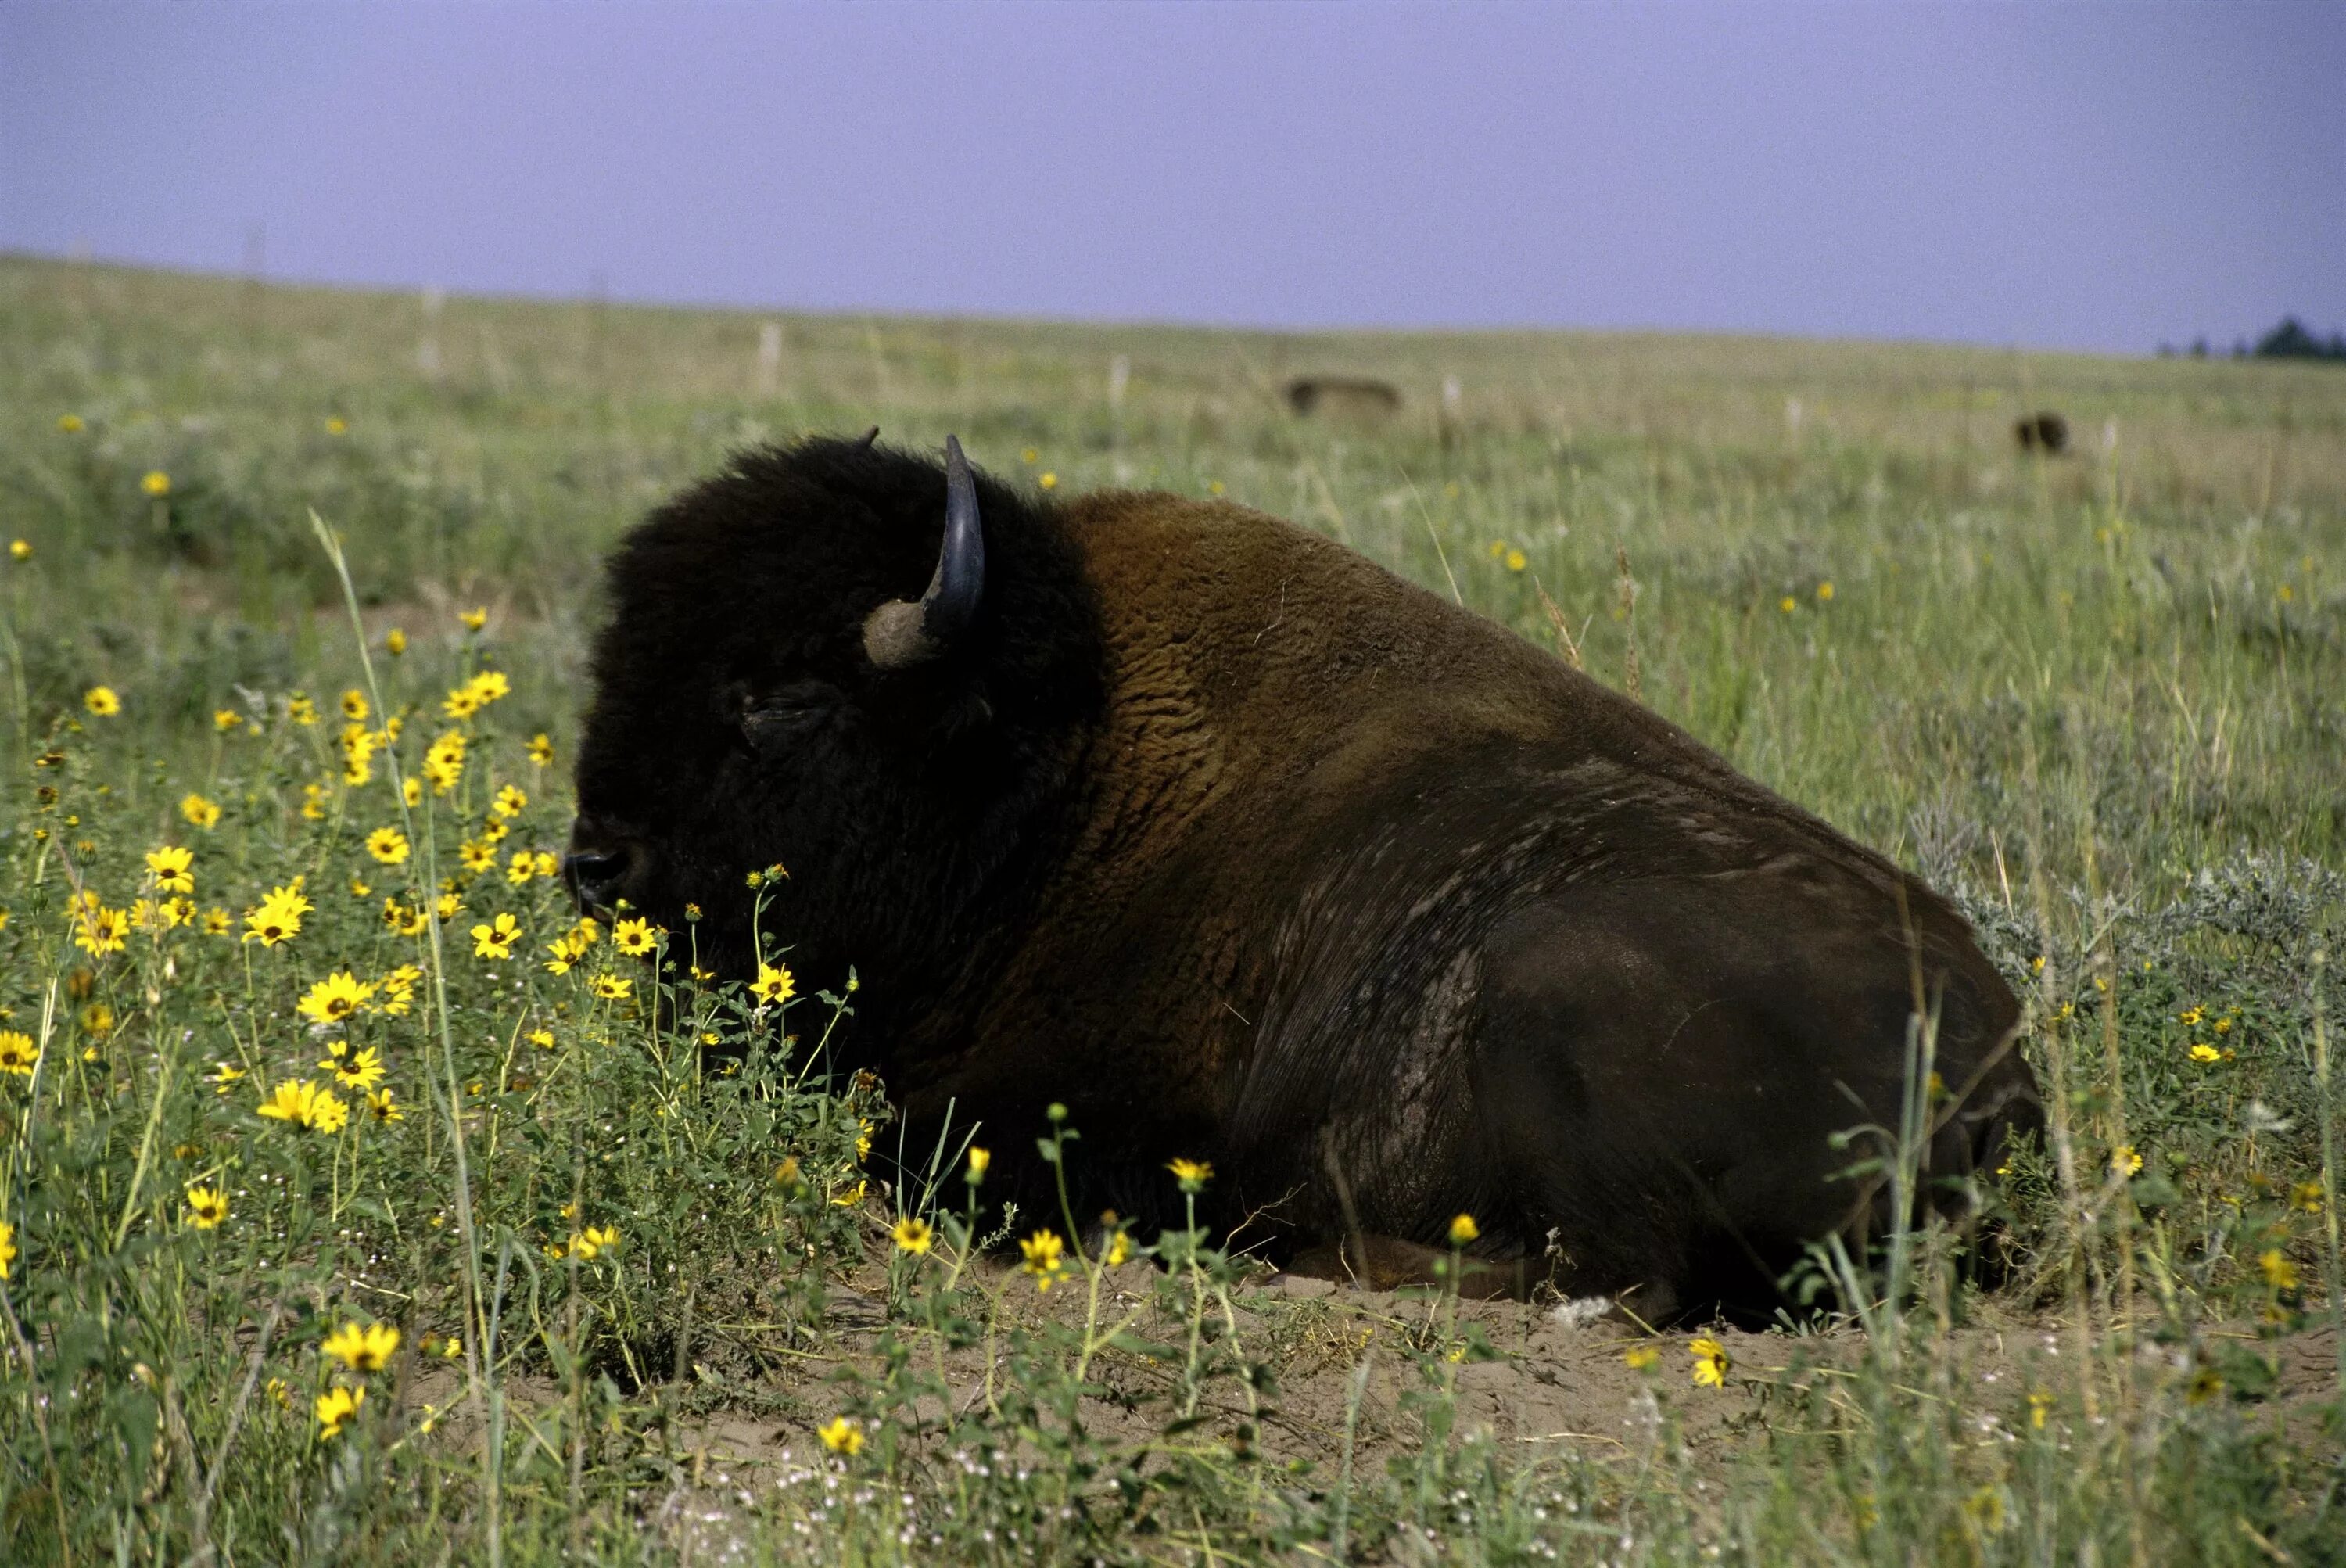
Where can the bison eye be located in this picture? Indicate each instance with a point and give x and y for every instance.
(775, 718)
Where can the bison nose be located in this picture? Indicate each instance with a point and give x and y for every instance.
(595, 877)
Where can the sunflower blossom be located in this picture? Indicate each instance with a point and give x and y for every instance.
(1042, 1252)
(206, 1207)
(278, 918)
(495, 939)
(362, 1349)
(336, 1406)
(174, 868)
(335, 998)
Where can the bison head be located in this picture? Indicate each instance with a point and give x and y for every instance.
(775, 686)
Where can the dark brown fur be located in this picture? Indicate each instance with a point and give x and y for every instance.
(1284, 863)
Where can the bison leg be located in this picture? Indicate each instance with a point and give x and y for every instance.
(1660, 1068)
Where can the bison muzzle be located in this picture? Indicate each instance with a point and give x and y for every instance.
(1247, 851)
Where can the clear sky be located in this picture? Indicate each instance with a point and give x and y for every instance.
(2077, 174)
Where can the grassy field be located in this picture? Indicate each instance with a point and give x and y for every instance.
(337, 1224)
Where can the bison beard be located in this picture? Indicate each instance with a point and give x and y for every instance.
(1249, 851)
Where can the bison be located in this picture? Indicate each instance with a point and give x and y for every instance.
(1352, 397)
(1249, 851)
(2044, 432)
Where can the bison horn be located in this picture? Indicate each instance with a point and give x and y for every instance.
(898, 634)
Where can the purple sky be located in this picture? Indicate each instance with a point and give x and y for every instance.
(2072, 175)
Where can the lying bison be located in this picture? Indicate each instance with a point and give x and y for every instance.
(1249, 851)
(2046, 432)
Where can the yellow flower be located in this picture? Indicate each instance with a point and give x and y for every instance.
(2205, 1385)
(1463, 1229)
(978, 1160)
(541, 1038)
(851, 1196)
(381, 1106)
(388, 845)
(292, 1101)
(399, 989)
(313, 802)
(1049, 481)
(841, 1435)
(2040, 1406)
(156, 482)
(1518, 561)
(509, 803)
(2278, 1271)
(98, 931)
(772, 985)
(226, 1072)
(1119, 1248)
(335, 998)
(301, 709)
(394, 642)
(329, 1114)
(7, 1248)
(1043, 1258)
(201, 812)
(476, 618)
(495, 939)
(278, 918)
(206, 1207)
(2223, 1027)
(226, 718)
(70, 422)
(635, 938)
(443, 763)
(102, 701)
(1787, 604)
(489, 685)
(20, 549)
(336, 1406)
(447, 905)
(611, 987)
(1824, 592)
(1710, 1363)
(541, 750)
(2203, 1053)
(173, 868)
(18, 1055)
(2125, 1161)
(354, 705)
(363, 1071)
(477, 856)
(913, 1235)
(521, 868)
(411, 789)
(2306, 1195)
(460, 703)
(216, 921)
(1193, 1174)
(1641, 1358)
(2190, 1017)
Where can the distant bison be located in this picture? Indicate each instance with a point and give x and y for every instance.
(1249, 851)
(1353, 396)
(2047, 433)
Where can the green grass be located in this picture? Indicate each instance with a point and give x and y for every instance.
(2101, 700)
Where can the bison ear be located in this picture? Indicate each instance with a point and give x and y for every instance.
(899, 635)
